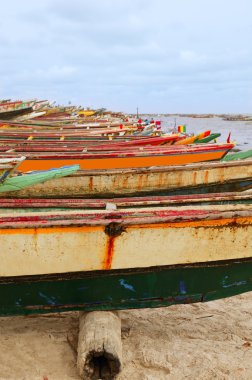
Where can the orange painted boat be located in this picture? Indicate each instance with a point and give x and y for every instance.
(192, 139)
(161, 156)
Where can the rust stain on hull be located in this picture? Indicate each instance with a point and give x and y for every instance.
(109, 252)
(194, 178)
(91, 184)
(112, 230)
(206, 177)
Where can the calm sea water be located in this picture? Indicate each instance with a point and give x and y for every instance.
(241, 131)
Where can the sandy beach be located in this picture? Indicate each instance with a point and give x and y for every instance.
(199, 341)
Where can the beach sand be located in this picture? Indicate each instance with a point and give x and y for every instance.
(199, 341)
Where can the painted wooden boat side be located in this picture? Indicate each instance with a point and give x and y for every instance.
(192, 139)
(120, 160)
(209, 138)
(73, 241)
(88, 146)
(65, 204)
(238, 156)
(117, 290)
(200, 177)
(152, 273)
(20, 182)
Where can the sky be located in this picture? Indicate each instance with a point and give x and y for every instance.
(162, 56)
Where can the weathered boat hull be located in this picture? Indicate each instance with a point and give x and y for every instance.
(194, 178)
(18, 183)
(126, 203)
(111, 290)
(119, 260)
(238, 156)
(13, 113)
(207, 139)
(192, 139)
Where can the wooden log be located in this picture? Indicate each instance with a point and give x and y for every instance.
(99, 345)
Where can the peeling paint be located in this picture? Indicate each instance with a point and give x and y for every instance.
(182, 287)
(236, 283)
(50, 300)
(206, 177)
(91, 184)
(126, 286)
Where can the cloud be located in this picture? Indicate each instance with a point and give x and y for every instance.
(56, 72)
(191, 57)
(119, 54)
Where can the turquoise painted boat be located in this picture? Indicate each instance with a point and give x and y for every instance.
(149, 256)
(29, 179)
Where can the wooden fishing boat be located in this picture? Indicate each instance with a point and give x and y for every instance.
(80, 204)
(58, 111)
(10, 104)
(56, 135)
(24, 133)
(243, 155)
(29, 116)
(12, 113)
(39, 124)
(207, 177)
(142, 157)
(211, 137)
(86, 113)
(85, 145)
(127, 256)
(39, 104)
(12, 109)
(8, 166)
(192, 139)
(17, 183)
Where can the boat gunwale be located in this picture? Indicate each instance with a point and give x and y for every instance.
(133, 200)
(140, 152)
(113, 272)
(134, 217)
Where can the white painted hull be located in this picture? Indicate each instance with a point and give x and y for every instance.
(141, 238)
(105, 183)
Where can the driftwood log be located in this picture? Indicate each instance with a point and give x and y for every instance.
(99, 345)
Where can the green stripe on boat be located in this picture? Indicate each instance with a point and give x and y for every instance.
(209, 138)
(238, 156)
(29, 179)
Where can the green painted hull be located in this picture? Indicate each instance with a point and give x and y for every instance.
(136, 288)
(26, 180)
(209, 138)
(238, 156)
